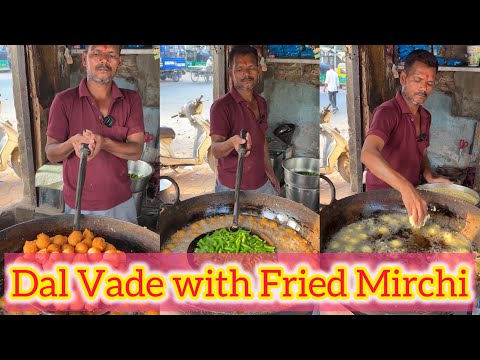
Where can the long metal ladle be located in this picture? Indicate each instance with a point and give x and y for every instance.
(238, 181)
(84, 153)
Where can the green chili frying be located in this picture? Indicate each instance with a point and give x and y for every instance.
(237, 242)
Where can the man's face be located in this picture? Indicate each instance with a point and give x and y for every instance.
(418, 84)
(244, 72)
(101, 62)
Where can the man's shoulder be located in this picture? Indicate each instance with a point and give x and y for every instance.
(68, 94)
(426, 112)
(129, 93)
(260, 98)
(224, 100)
(388, 109)
(390, 105)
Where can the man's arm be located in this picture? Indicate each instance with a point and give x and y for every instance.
(57, 151)
(221, 146)
(372, 157)
(59, 146)
(269, 168)
(130, 150)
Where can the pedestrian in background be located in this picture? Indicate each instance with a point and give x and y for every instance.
(332, 83)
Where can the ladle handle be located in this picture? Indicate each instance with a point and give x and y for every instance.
(241, 152)
(243, 147)
(84, 153)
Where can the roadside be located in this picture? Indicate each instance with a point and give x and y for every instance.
(11, 189)
(11, 186)
(192, 180)
(338, 120)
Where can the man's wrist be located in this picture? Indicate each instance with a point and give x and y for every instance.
(428, 176)
(405, 186)
(106, 143)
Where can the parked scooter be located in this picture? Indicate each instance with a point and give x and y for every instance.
(334, 148)
(9, 153)
(202, 144)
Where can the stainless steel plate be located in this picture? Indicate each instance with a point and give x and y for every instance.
(453, 190)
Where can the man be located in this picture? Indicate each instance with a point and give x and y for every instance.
(395, 148)
(110, 121)
(242, 108)
(209, 65)
(332, 83)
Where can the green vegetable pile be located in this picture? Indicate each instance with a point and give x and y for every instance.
(134, 176)
(228, 242)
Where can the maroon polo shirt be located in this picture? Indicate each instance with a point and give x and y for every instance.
(395, 124)
(228, 115)
(106, 181)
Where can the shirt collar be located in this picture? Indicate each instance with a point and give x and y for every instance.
(83, 90)
(237, 97)
(404, 107)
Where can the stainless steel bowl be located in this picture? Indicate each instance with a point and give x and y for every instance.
(454, 191)
(143, 169)
(302, 164)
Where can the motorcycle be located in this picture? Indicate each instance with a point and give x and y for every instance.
(202, 144)
(9, 153)
(334, 147)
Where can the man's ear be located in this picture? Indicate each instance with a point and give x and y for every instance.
(403, 76)
(84, 58)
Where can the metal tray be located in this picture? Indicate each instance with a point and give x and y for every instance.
(453, 187)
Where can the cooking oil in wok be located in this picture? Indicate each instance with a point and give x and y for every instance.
(393, 233)
(281, 236)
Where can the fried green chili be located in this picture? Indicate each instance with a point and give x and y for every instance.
(233, 242)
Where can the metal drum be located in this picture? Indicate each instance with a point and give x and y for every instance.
(139, 185)
(302, 181)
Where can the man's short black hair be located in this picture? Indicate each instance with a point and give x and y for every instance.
(242, 50)
(423, 56)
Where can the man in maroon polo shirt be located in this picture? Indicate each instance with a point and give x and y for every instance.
(395, 148)
(242, 108)
(110, 121)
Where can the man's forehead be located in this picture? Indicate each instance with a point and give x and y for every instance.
(419, 68)
(106, 48)
(243, 59)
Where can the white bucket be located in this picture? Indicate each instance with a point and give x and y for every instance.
(473, 55)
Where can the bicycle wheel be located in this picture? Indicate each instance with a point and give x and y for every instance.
(194, 76)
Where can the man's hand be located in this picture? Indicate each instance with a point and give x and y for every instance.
(77, 141)
(440, 180)
(237, 141)
(415, 205)
(95, 143)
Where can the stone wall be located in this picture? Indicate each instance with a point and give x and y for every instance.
(292, 93)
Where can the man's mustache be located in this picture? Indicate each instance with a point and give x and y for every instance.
(248, 78)
(103, 67)
(421, 93)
